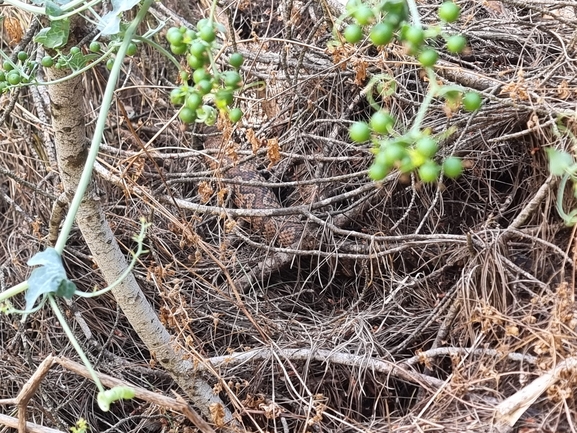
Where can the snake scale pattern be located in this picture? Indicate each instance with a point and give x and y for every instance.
(284, 231)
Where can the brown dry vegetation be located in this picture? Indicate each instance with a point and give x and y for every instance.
(411, 307)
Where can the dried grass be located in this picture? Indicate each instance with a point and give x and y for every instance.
(457, 282)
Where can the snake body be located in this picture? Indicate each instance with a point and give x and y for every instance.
(284, 231)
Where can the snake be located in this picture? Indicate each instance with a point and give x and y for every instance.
(283, 231)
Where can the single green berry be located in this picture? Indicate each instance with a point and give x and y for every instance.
(47, 61)
(7, 66)
(414, 35)
(235, 115)
(427, 146)
(22, 56)
(471, 101)
(429, 171)
(381, 159)
(109, 64)
(236, 60)
(200, 74)
(198, 48)
(94, 46)
(202, 23)
(204, 87)
(378, 171)
(207, 33)
(394, 20)
(176, 96)
(189, 36)
(223, 99)
(452, 167)
(14, 78)
(428, 57)
(406, 165)
(381, 34)
(353, 33)
(174, 36)
(178, 49)
(393, 152)
(193, 100)
(231, 79)
(195, 62)
(449, 12)
(359, 132)
(364, 15)
(132, 49)
(74, 50)
(381, 122)
(456, 44)
(187, 115)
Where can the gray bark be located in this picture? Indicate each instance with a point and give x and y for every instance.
(70, 138)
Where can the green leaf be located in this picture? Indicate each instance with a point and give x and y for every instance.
(54, 36)
(123, 5)
(559, 161)
(109, 24)
(88, 58)
(207, 115)
(77, 61)
(50, 277)
(66, 289)
(52, 9)
(106, 398)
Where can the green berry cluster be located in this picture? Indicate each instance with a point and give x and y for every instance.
(16, 73)
(76, 59)
(414, 151)
(208, 84)
(23, 69)
(385, 19)
(13, 74)
(388, 20)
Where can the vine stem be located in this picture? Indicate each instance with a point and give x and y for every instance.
(13, 291)
(74, 342)
(433, 89)
(38, 10)
(140, 239)
(160, 49)
(99, 129)
(414, 12)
